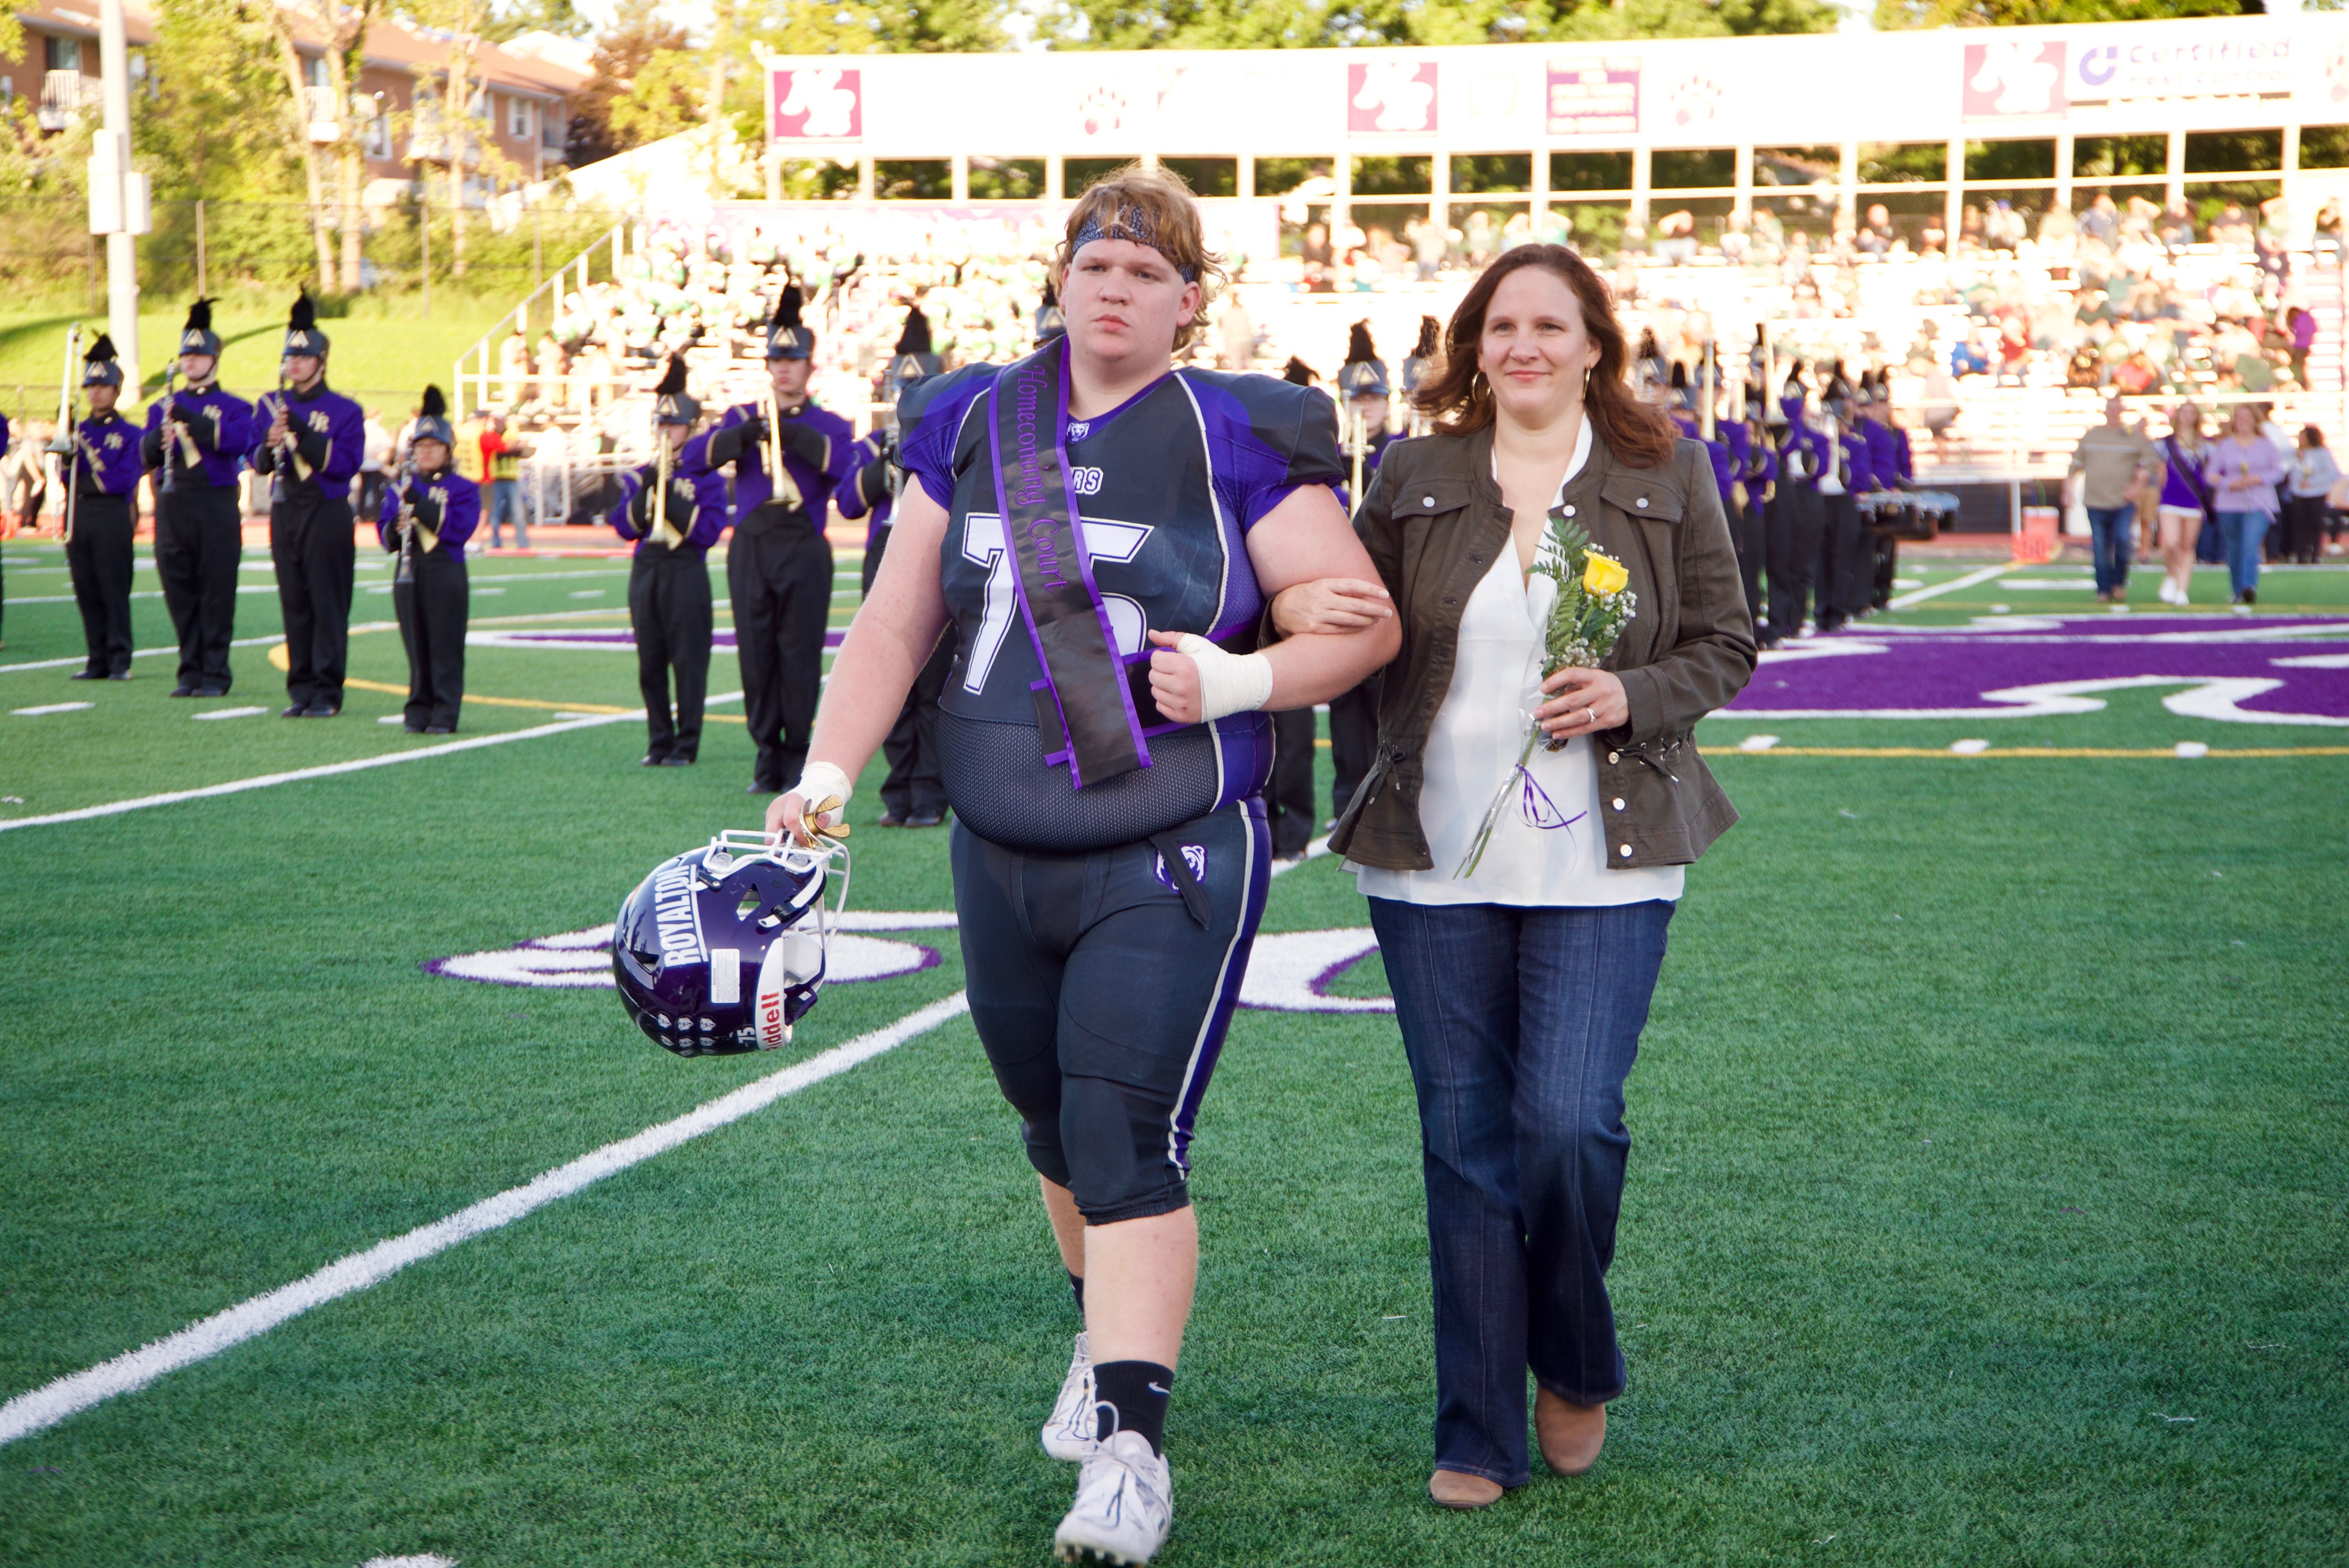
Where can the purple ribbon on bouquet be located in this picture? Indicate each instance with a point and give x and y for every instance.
(1537, 809)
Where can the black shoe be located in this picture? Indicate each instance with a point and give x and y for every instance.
(299, 710)
(676, 762)
(927, 818)
(184, 689)
(650, 759)
(86, 675)
(330, 710)
(119, 676)
(431, 729)
(212, 691)
(2251, 595)
(415, 729)
(890, 820)
(756, 788)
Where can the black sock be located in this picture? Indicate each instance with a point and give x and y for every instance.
(1077, 1284)
(1131, 1396)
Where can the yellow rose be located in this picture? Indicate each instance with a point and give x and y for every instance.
(1602, 576)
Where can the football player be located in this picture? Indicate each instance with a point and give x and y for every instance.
(779, 565)
(102, 469)
(312, 441)
(1102, 531)
(669, 579)
(196, 437)
(425, 520)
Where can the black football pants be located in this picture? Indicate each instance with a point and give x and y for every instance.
(780, 580)
(433, 609)
(1887, 565)
(669, 604)
(1291, 796)
(1750, 533)
(916, 783)
(1354, 740)
(1841, 592)
(199, 536)
(311, 545)
(98, 558)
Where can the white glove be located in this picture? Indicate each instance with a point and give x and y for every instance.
(1228, 683)
(820, 782)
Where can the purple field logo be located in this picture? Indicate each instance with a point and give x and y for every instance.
(2285, 670)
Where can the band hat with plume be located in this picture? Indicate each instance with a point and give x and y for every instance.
(1419, 363)
(198, 337)
(787, 339)
(1363, 375)
(671, 406)
(302, 334)
(912, 360)
(432, 420)
(1050, 323)
(1681, 399)
(1296, 373)
(97, 367)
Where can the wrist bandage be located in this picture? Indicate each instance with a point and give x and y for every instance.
(1228, 683)
(821, 781)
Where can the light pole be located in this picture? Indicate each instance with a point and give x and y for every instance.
(120, 207)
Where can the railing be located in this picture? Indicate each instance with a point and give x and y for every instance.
(474, 387)
(63, 95)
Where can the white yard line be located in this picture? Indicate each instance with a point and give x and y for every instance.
(46, 1405)
(1919, 596)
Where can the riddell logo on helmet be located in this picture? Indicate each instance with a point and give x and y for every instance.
(773, 1030)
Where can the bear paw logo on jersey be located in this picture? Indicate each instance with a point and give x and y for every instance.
(1194, 855)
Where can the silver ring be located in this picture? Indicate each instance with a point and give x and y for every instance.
(1590, 717)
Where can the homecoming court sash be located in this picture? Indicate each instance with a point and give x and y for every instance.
(1085, 685)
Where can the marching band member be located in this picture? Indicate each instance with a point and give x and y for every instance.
(1757, 474)
(1362, 379)
(915, 793)
(426, 518)
(1846, 566)
(312, 443)
(102, 467)
(1796, 519)
(779, 566)
(195, 438)
(675, 508)
(1895, 469)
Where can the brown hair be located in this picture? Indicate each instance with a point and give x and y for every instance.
(1169, 225)
(1461, 401)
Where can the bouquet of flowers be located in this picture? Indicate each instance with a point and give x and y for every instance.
(1590, 602)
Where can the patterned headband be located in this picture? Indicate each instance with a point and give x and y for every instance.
(1128, 223)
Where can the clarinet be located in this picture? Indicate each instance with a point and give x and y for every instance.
(406, 571)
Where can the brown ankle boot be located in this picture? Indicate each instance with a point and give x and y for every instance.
(1456, 1489)
(1571, 1434)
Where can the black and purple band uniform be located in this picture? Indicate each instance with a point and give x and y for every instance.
(779, 571)
(310, 533)
(670, 604)
(198, 526)
(1105, 930)
(434, 600)
(104, 470)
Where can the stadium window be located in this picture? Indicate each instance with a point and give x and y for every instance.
(1686, 169)
(1006, 178)
(2233, 151)
(1593, 227)
(62, 53)
(1910, 211)
(2324, 147)
(1892, 162)
(2229, 200)
(913, 179)
(1076, 173)
(1208, 176)
(2120, 157)
(1393, 176)
(1589, 171)
(820, 178)
(1685, 217)
(1280, 176)
(1475, 172)
(2001, 161)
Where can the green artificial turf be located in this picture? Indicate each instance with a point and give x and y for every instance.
(1986, 1198)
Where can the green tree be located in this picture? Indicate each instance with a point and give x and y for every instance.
(514, 17)
(1304, 24)
(1906, 13)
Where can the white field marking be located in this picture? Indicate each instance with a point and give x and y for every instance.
(1920, 595)
(1968, 748)
(402, 718)
(2192, 748)
(1313, 851)
(228, 713)
(51, 707)
(588, 593)
(273, 639)
(1757, 743)
(428, 1560)
(357, 765)
(46, 1405)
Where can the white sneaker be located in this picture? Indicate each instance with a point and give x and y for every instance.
(1069, 1434)
(1124, 1507)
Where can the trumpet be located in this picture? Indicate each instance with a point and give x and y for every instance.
(786, 490)
(667, 537)
(66, 432)
(289, 446)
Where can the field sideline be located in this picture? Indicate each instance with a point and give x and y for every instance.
(1986, 1199)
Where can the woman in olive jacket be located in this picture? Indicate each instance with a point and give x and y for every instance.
(1522, 987)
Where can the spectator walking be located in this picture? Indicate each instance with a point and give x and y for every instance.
(2313, 475)
(501, 465)
(2243, 471)
(2110, 467)
(2185, 501)
(375, 463)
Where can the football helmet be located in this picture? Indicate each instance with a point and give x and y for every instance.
(721, 949)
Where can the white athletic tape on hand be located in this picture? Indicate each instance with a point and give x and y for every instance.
(824, 780)
(1228, 683)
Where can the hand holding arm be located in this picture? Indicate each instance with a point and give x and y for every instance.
(1331, 605)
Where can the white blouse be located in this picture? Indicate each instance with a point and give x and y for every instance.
(1473, 747)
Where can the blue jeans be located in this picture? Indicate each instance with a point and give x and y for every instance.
(2115, 531)
(2242, 530)
(505, 499)
(1521, 1026)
